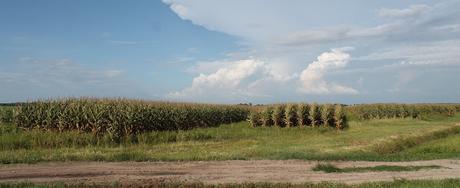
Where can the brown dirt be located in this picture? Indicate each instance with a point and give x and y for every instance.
(294, 171)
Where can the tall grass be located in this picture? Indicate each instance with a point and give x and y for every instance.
(121, 117)
(13, 138)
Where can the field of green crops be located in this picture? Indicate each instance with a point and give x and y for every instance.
(89, 129)
(124, 130)
(118, 118)
(388, 139)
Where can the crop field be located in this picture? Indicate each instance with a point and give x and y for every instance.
(117, 130)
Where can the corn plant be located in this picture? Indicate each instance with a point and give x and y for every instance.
(290, 114)
(315, 115)
(254, 119)
(327, 115)
(340, 119)
(278, 116)
(303, 112)
(266, 116)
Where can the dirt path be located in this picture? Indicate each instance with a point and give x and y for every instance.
(294, 171)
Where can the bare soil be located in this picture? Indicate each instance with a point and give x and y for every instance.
(212, 172)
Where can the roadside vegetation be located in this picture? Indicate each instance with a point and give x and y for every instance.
(330, 168)
(363, 140)
(130, 130)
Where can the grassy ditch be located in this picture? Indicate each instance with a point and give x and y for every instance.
(399, 144)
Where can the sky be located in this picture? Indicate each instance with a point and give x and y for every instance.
(231, 51)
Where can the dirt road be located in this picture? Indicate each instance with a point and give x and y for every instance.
(294, 171)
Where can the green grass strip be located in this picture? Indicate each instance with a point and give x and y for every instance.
(402, 143)
(330, 168)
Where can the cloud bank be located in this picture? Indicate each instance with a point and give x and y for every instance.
(389, 38)
(249, 78)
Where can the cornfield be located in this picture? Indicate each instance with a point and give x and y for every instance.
(293, 115)
(6, 114)
(122, 117)
(385, 111)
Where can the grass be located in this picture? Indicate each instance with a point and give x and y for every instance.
(330, 168)
(363, 140)
(447, 183)
(435, 149)
(401, 143)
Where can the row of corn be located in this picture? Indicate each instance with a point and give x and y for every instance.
(384, 111)
(6, 114)
(292, 115)
(121, 117)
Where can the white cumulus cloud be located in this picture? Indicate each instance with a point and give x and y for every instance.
(228, 80)
(312, 78)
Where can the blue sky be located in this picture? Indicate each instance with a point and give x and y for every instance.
(235, 51)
